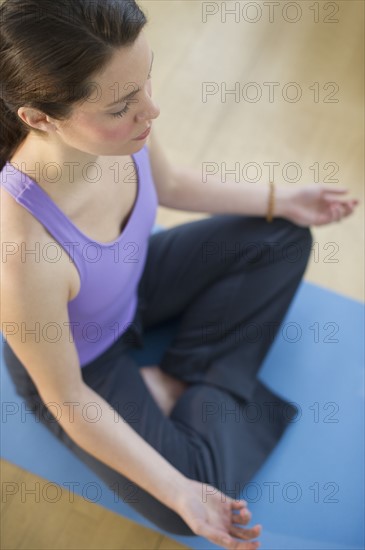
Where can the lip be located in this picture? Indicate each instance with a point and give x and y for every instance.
(144, 135)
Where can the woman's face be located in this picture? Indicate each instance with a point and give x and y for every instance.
(99, 128)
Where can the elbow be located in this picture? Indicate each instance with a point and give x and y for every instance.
(65, 408)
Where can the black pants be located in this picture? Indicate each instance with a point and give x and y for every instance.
(231, 280)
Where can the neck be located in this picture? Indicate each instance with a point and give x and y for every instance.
(53, 166)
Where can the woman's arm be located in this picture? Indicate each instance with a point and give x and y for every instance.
(114, 442)
(185, 188)
(192, 193)
(29, 300)
(305, 205)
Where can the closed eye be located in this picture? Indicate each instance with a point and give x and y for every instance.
(126, 108)
(121, 113)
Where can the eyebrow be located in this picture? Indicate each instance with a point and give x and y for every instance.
(131, 94)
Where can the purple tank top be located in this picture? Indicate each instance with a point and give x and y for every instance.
(109, 272)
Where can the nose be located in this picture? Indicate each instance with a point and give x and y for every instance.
(149, 111)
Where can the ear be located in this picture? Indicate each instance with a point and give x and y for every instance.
(36, 119)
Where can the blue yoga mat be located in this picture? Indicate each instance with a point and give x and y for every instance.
(309, 494)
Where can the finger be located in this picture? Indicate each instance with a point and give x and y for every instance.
(237, 504)
(344, 204)
(350, 202)
(335, 212)
(340, 209)
(338, 202)
(331, 198)
(331, 201)
(225, 540)
(243, 517)
(244, 545)
(233, 544)
(347, 209)
(335, 190)
(246, 534)
(343, 210)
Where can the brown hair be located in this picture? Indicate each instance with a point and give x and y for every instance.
(48, 51)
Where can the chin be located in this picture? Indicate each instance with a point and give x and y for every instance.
(125, 150)
(138, 145)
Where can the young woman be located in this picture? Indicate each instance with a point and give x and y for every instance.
(82, 174)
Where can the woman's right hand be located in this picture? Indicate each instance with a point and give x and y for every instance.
(210, 514)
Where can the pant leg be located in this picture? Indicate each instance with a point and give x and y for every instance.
(208, 437)
(116, 377)
(232, 279)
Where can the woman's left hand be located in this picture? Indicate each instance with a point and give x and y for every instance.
(317, 204)
(219, 518)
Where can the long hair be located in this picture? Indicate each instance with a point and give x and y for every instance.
(49, 49)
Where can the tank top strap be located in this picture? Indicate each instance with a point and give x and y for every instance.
(31, 196)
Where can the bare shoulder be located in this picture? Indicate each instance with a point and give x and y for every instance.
(34, 295)
(25, 242)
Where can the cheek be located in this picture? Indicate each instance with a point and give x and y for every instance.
(105, 130)
(116, 131)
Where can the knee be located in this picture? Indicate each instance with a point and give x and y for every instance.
(281, 230)
(303, 233)
(305, 242)
(297, 238)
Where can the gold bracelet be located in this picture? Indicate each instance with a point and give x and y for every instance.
(270, 211)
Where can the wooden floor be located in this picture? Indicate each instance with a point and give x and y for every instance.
(322, 137)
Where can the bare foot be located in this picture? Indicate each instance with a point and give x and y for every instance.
(165, 389)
